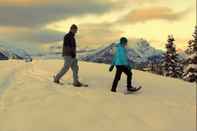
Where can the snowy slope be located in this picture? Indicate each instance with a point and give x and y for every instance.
(30, 101)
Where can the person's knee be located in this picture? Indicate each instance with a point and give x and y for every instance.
(117, 78)
(75, 65)
(65, 68)
(67, 65)
(75, 68)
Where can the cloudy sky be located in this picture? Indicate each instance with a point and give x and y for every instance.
(33, 24)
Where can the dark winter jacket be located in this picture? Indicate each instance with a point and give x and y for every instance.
(69, 46)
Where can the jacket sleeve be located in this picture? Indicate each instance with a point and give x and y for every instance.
(130, 65)
(113, 50)
(66, 49)
(73, 51)
(113, 55)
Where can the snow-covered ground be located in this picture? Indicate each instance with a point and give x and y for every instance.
(30, 101)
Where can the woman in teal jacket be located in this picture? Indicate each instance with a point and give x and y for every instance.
(121, 61)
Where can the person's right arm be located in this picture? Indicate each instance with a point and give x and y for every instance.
(66, 41)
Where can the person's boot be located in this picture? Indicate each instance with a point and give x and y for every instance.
(131, 88)
(134, 89)
(113, 90)
(55, 80)
(77, 84)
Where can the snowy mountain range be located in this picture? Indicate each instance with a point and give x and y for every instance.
(140, 54)
(7, 52)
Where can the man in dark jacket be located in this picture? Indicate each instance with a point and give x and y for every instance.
(69, 54)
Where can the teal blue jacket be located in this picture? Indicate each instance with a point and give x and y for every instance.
(121, 56)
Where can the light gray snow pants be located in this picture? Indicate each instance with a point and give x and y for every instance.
(72, 63)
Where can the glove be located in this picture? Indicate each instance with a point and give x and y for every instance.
(111, 68)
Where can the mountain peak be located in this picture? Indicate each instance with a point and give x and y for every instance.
(139, 52)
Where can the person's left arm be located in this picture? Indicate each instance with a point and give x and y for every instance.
(113, 50)
(129, 63)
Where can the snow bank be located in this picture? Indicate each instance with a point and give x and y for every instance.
(30, 101)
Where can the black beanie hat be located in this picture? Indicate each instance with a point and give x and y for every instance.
(123, 40)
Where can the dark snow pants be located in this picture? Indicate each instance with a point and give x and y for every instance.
(119, 71)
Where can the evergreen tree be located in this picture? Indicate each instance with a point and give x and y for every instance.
(171, 65)
(189, 49)
(190, 71)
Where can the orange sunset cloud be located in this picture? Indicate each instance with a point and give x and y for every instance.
(152, 13)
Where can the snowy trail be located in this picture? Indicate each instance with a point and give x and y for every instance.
(10, 76)
(32, 102)
(4, 83)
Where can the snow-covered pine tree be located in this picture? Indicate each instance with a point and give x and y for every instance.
(190, 71)
(172, 66)
(189, 49)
